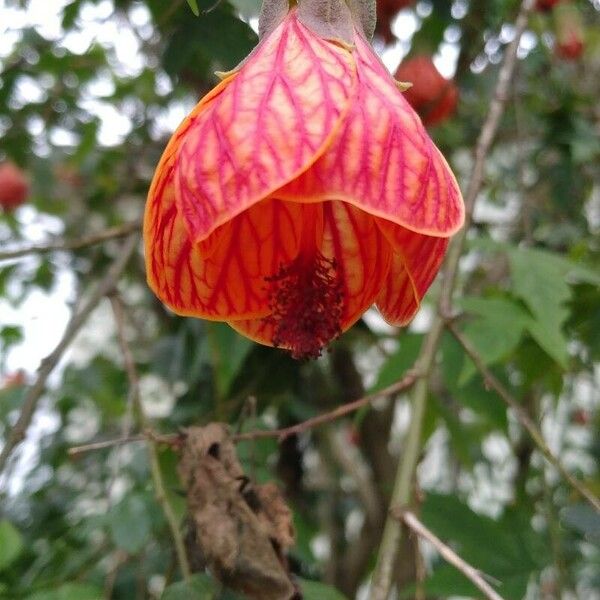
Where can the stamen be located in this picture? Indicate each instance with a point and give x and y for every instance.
(306, 300)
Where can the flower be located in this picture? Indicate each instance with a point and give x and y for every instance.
(301, 190)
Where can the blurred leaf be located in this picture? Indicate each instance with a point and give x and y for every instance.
(495, 333)
(396, 365)
(69, 591)
(313, 590)
(508, 559)
(11, 544)
(228, 350)
(217, 40)
(446, 581)
(9, 336)
(130, 524)
(199, 587)
(194, 6)
(473, 394)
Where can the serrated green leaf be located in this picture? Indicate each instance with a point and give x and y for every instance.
(540, 282)
(470, 533)
(495, 333)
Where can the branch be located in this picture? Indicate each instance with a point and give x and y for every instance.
(411, 521)
(83, 242)
(173, 439)
(402, 491)
(525, 420)
(168, 439)
(341, 411)
(159, 486)
(106, 285)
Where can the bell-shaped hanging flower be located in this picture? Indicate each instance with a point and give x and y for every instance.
(302, 189)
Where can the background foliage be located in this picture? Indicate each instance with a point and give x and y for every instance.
(86, 106)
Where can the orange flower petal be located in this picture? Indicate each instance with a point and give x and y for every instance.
(362, 254)
(417, 260)
(383, 161)
(396, 301)
(223, 276)
(268, 125)
(362, 257)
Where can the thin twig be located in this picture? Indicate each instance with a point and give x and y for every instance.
(402, 490)
(168, 439)
(106, 285)
(341, 411)
(474, 575)
(67, 245)
(524, 418)
(404, 384)
(159, 486)
(77, 450)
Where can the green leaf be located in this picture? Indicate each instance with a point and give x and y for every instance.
(228, 349)
(216, 41)
(495, 332)
(543, 281)
(11, 544)
(470, 534)
(463, 437)
(69, 591)
(313, 590)
(540, 282)
(10, 335)
(396, 365)
(194, 6)
(445, 581)
(130, 524)
(473, 394)
(199, 587)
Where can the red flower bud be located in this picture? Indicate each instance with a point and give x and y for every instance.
(14, 187)
(545, 5)
(431, 95)
(569, 32)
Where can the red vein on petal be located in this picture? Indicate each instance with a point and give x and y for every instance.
(383, 161)
(351, 241)
(222, 277)
(272, 121)
(417, 260)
